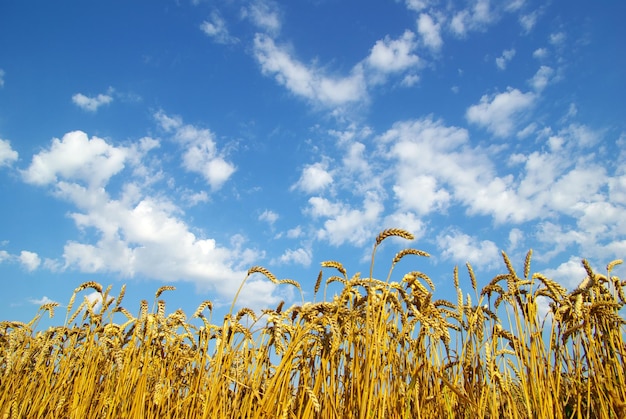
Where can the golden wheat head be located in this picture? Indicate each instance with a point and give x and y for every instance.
(397, 232)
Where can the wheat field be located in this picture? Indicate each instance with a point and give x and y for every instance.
(379, 348)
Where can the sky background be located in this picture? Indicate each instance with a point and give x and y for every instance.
(154, 143)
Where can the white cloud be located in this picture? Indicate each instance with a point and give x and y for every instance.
(514, 5)
(540, 53)
(135, 234)
(144, 236)
(477, 17)
(315, 178)
(430, 32)
(462, 248)
(7, 154)
(322, 207)
(195, 198)
(306, 82)
(410, 80)
(30, 260)
(298, 256)
(92, 104)
(448, 168)
(295, 232)
(417, 5)
(265, 15)
(41, 301)
(527, 130)
(216, 29)
(4, 255)
(346, 224)
(268, 216)
(498, 113)
(528, 21)
(420, 193)
(557, 38)
(503, 60)
(394, 55)
(201, 155)
(617, 189)
(354, 159)
(76, 157)
(458, 23)
(516, 236)
(435, 167)
(541, 78)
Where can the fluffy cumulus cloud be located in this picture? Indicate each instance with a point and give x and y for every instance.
(394, 55)
(77, 157)
(436, 167)
(345, 223)
(315, 178)
(499, 113)
(439, 161)
(201, 154)
(136, 234)
(7, 154)
(91, 104)
(420, 193)
(30, 260)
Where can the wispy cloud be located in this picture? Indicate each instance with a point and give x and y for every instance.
(265, 15)
(41, 301)
(542, 78)
(268, 216)
(304, 81)
(215, 27)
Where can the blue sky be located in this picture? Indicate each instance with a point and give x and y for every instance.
(182, 142)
